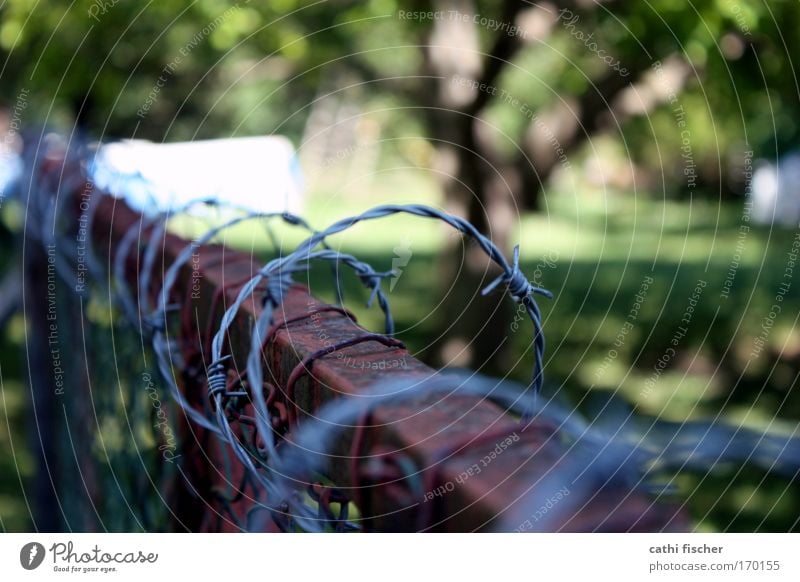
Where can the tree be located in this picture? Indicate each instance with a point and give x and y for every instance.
(509, 93)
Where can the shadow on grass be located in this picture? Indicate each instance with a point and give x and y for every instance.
(676, 340)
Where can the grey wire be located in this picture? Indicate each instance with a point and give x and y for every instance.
(512, 278)
(278, 274)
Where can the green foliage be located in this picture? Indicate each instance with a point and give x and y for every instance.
(248, 68)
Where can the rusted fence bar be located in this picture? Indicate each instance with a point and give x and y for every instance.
(449, 440)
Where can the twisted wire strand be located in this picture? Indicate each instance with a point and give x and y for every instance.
(278, 275)
(511, 277)
(636, 452)
(162, 346)
(278, 272)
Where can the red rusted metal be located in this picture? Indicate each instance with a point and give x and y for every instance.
(420, 428)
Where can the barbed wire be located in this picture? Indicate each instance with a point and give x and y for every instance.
(285, 476)
(277, 274)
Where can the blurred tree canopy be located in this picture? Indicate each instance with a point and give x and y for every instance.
(178, 70)
(665, 97)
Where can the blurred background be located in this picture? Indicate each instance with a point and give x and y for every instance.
(640, 153)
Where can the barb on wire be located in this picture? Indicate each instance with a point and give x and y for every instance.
(227, 394)
(511, 277)
(278, 276)
(286, 477)
(161, 346)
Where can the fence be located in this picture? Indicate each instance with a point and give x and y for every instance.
(353, 432)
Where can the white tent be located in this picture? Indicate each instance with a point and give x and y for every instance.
(258, 173)
(776, 192)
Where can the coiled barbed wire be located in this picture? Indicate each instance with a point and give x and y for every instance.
(279, 271)
(308, 453)
(277, 274)
(279, 471)
(51, 174)
(218, 423)
(159, 314)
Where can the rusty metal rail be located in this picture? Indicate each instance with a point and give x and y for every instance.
(450, 439)
(475, 465)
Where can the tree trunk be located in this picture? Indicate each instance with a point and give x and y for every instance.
(474, 327)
